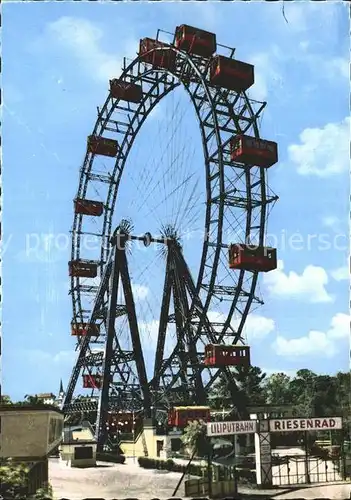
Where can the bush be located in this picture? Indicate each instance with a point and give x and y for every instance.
(13, 480)
(170, 465)
(245, 475)
(111, 457)
(44, 493)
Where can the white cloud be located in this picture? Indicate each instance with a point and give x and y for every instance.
(267, 75)
(315, 342)
(339, 66)
(82, 39)
(257, 327)
(341, 273)
(331, 221)
(272, 371)
(322, 151)
(140, 292)
(303, 17)
(39, 357)
(308, 286)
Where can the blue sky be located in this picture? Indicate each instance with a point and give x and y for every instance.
(57, 60)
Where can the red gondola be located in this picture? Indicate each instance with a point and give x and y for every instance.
(195, 41)
(102, 146)
(231, 74)
(180, 416)
(130, 92)
(88, 207)
(82, 269)
(151, 52)
(81, 329)
(252, 258)
(252, 151)
(92, 381)
(217, 356)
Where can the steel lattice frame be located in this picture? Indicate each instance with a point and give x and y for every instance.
(221, 114)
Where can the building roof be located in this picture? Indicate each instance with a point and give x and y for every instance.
(46, 395)
(27, 407)
(70, 434)
(61, 391)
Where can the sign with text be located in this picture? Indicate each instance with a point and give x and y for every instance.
(305, 424)
(230, 428)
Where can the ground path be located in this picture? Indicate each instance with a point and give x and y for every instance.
(131, 481)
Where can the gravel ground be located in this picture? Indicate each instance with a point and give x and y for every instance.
(332, 491)
(111, 481)
(130, 481)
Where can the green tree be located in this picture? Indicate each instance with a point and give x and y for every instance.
(13, 480)
(195, 438)
(5, 400)
(249, 381)
(31, 400)
(277, 389)
(302, 392)
(325, 395)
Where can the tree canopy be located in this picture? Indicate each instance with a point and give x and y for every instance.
(308, 393)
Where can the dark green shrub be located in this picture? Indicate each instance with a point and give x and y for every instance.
(111, 457)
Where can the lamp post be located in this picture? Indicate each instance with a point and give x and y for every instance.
(133, 417)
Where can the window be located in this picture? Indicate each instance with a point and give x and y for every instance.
(237, 144)
(83, 452)
(52, 430)
(55, 429)
(176, 444)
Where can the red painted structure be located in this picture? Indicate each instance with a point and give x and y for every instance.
(217, 356)
(157, 53)
(252, 258)
(102, 146)
(82, 269)
(127, 91)
(81, 329)
(180, 416)
(252, 151)
(231, 74)
(195, 41)
(88, 207)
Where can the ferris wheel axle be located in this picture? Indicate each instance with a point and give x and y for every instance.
(122, 237)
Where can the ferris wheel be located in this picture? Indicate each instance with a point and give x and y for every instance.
(204, 295)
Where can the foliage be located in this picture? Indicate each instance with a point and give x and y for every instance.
(195, 438)
(307, 393)
(5, 400)
(31, 400)
(246, 475)
(13, 480)
(170, 465)
(111, 457)
(249, 381)
(44, 493)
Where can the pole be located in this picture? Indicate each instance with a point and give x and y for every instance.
(182, 476)
(133, 416)
(209, 472)
(234, 468)
(307, 472)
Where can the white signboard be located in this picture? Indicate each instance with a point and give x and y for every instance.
(230, 428)
(305, 424)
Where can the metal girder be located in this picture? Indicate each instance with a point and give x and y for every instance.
(113, 362)
(220, 113)
(185, 358)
